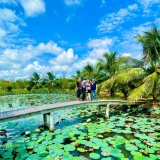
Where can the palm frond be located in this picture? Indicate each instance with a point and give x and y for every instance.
(145, 89)
(108, 84)
(130, 75)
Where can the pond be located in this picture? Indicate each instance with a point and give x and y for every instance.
(80, 133)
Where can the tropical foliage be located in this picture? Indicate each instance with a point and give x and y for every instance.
(135, 78)
(49, 81)
(113, 68)
(35, 81)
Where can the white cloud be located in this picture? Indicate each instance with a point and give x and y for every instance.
(126, 55)
(3, 33)
(99, 43)
(141, 28)
(83, 62)
(133, 7)
(26, 59)
(33, 7)
(128, 44)
(9, 1)
(113, 20)
(99, 47)
(34, 67)
(8, 15)
(70, 17)
(148, 3)
(25, 54)
(9, 26)
(61, 69)
(72, 2)
(65, 58)
(103, 3)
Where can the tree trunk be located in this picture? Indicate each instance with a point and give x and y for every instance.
(154, 94)
(125, 95)
(125, 92)
(112, 92)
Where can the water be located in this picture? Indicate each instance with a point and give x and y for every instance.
(76, 126)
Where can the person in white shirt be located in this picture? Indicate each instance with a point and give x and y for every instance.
(83, 89)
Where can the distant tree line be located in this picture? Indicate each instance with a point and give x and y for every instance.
(37, 84)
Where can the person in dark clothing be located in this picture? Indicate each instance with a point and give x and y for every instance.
(93, 89)
(79, 88)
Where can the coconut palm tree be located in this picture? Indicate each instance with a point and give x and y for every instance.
(151, 45)
(111, 66)
(49, 80)
(35, 81)
(90, 71)
(151, 56)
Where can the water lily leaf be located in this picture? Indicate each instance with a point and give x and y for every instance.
(69, 147)
(149, 150)
(137, 155)
(43, 154)
(58, 140)
(32, 144)
(55, 146)
(140, 145)
(33, 157)
(7, 155)
(117, 153)
(56, 152)
(95, 147)
(81, 149)
(130, 147)
(94, 155)
(66, 156)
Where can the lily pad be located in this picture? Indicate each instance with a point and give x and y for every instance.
(94, 155)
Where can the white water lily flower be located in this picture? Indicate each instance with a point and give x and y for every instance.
(88, 120)
(76, 126)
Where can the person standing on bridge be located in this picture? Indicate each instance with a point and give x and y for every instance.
(83, 89)
(88, 89)
(79, 88)
(93, 89)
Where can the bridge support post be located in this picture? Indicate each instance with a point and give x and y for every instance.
(45, 119)
(99, 109)
(107, 111)
(51, 127)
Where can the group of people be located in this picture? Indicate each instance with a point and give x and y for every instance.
(86, 89)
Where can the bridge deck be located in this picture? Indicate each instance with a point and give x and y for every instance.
(27, 112)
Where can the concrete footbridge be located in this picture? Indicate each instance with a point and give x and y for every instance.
(48, 110)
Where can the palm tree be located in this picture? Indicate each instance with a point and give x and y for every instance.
(151, 56)
(35, 81)
(49, 80)
(90, 71)
(111, 66)
(151, 45)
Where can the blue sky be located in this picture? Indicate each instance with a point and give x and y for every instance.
(62, 36)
